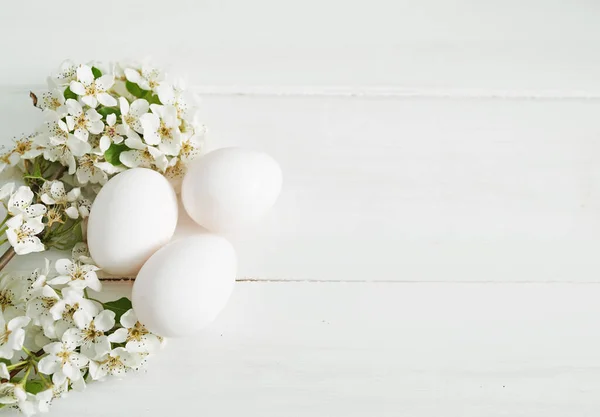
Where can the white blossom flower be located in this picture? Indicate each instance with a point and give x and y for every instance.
(191, 145)
(83, 207)
(130, 114)
(21, 234)
(161, 127)
(83, 123)
(66, 73)
(21, 203)
(39, 307)
(13, 291)
(92, 338)
(137, 338)
(176, 95)
(93, 91)
(14, 395)
(72, 310)
(148, 78)
(52, 99)
(60, 145)
(76, 275)
(114, 363)
(55, 194)
(142, 155)
(62, 361)
(89, 170)
(12, 335)
(81, 253)
(112, 133)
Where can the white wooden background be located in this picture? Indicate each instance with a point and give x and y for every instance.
(442, 172)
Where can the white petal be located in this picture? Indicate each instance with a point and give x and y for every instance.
(90, 101)
(128, 319)
(85, 75)
(132, 75)
(77, 88)
(107, 100)
(64, 266)
(77, 146)
(105, 82)
(72, 212)
(119, 336)
(111, 119)
(105, 320)
(49, 364)
(95, 127)
(139, 107)
(124, 106)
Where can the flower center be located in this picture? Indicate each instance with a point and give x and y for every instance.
(55, 103)
(91, 90)
(129, 119)
(64, 356)
(70, 310)
(165, 131)
(48, 302)
(6, 299)
(81, 122)
(90, 334)
(137, 332)
(22, 146)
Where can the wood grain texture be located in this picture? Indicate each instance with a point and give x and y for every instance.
(379, 349)
(431, 45)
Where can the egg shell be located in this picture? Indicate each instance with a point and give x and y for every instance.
(133, 216)
(229, 189)
(183, 286)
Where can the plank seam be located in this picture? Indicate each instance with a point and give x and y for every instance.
(358, 92)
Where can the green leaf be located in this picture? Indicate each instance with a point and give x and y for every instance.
(151, 98)
(105, 111)
(97, 73)
(120, 307)
(113, 153)
(69, 94)
(135, 89)
(34, 386)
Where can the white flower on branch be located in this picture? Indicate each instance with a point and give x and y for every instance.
(161, 127)
(130, 114)
(92, 338)
(115, 363)
(142, 155)
(21, 203)
(62, 361)
(112, 133)
(83, 123)
(148, 78)
(76, 275)
(12, 335)
(22, 234)
(54, 193)
(137, 338)
(91, 90)
(72, 310)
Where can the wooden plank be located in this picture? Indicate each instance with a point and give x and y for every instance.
(413, 189)
(431, 45)
(378, 349)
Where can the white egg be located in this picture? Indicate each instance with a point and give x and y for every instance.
(230, 188)
(133, 216)
(185, 285)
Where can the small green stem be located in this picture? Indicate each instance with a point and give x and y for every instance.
(16, 365)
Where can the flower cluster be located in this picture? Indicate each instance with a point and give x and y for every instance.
(100, 120)
(54, 337)
(52, 209)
